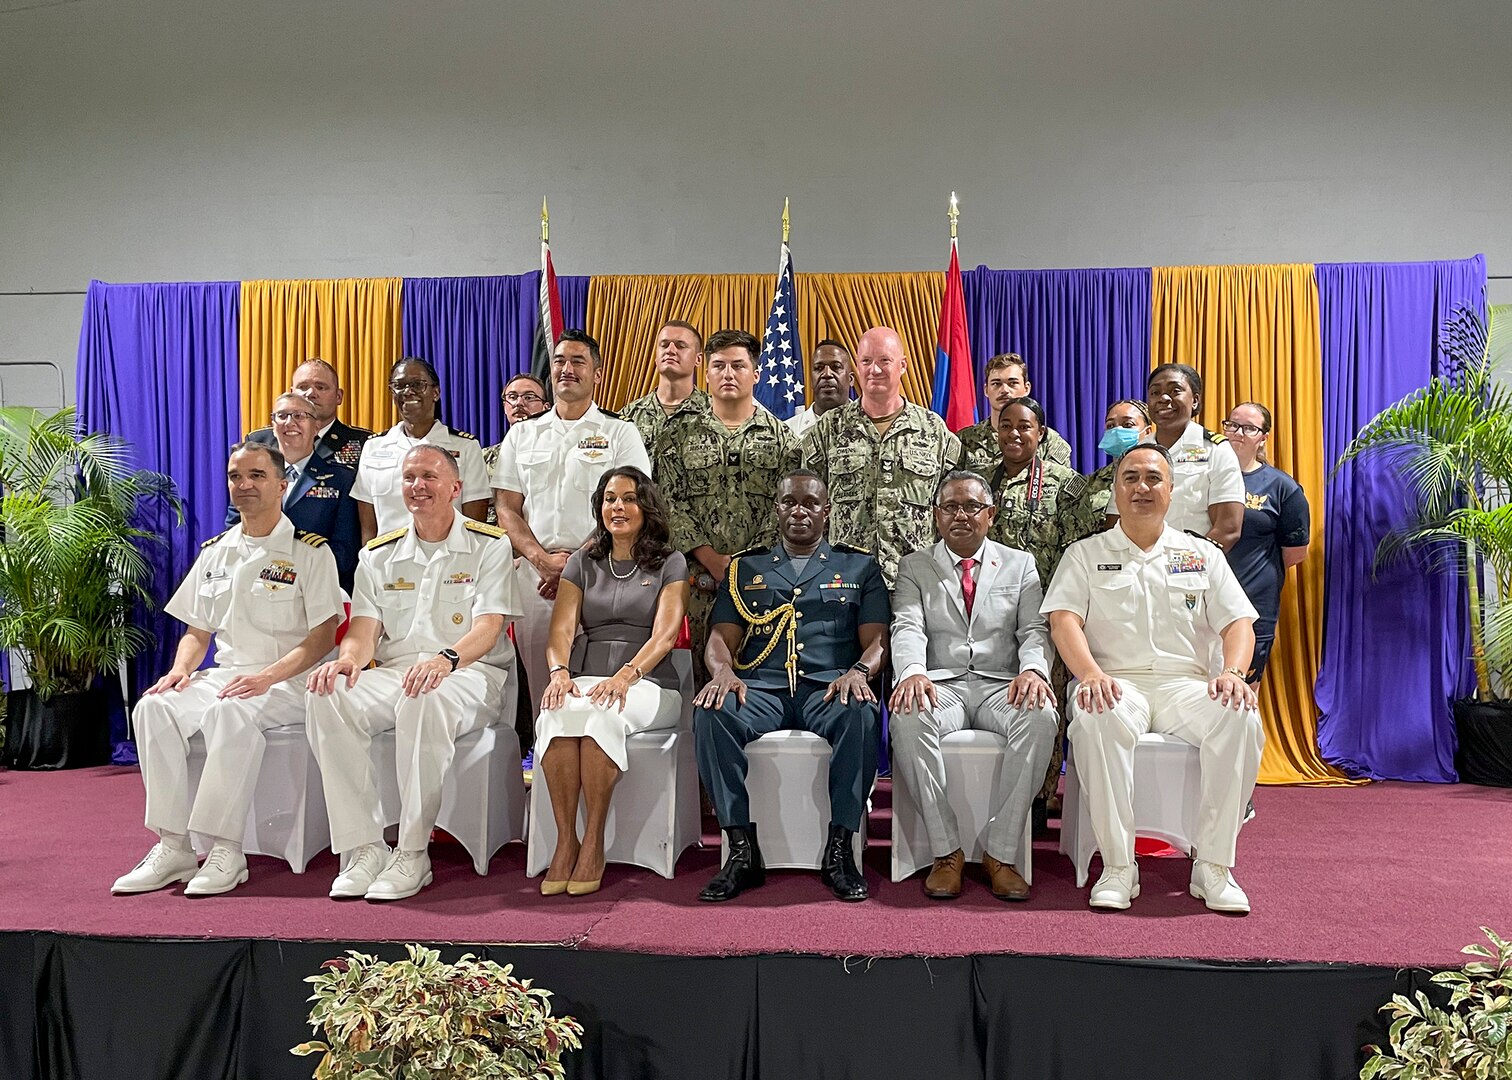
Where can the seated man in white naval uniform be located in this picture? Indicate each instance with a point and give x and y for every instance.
(268, 595)
(431, 604)
(1138, 614)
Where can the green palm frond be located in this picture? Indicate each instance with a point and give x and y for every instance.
(72, 569)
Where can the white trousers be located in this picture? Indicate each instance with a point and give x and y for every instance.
(234, 744)
(532, 631)
(426, 728)
(1228, 740)
(972, 702)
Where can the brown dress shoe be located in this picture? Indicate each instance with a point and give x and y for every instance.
(1007, 884)
(944, 881)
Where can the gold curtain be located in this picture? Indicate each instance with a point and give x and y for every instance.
(625, 311)
(1252, 332)
(352, 323)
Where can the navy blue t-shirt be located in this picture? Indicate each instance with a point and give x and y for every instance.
(1276, 516)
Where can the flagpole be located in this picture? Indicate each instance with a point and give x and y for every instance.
(786, 222)
(546, 222)
(954, 213)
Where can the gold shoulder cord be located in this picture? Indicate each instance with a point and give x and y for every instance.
(786, 626)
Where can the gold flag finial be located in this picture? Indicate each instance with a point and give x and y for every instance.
(786, 223)
(954, 214)
(545, 221)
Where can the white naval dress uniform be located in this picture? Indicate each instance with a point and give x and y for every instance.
(1152, 620)
(260, 596)
(379, 471)
(427, 602)
(1204, 474)
(556, 464)
(802, 420)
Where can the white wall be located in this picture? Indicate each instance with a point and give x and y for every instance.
(158, 140)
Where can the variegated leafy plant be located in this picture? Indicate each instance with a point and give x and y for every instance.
(421, 1019)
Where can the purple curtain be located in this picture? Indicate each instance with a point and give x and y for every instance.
(1085, 335)
(479, 333)
(158, 366)
(1395, 641)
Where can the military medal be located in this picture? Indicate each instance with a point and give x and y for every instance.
(1191, 601)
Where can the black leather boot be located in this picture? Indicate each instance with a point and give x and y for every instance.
(839, 869)
(742, 870)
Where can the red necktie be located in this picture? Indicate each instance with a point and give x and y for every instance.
(968, 584)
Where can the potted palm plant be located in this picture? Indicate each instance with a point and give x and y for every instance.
(1452, 440)
(71, 573)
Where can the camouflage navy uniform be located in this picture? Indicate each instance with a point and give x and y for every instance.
(980, 454)
(881, 489)
(649, 418)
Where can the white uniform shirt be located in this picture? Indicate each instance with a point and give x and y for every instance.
(1206, 473)
(557, 463)
(428, 602)
(1157, 611)
(379, 471)
(259, 595)
(802, 420)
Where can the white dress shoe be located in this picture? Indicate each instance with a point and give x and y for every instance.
(363, 868)
(406, 874)
(225, 868)
(162, 867)
(1116, 888)
(1215, 886)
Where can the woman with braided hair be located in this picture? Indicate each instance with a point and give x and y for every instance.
(627, 591)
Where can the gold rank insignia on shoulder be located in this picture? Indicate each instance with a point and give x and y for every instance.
(314, 539)
(399, 585)
(214, 539)
(483, 529)
(463, 434)
(387, 538)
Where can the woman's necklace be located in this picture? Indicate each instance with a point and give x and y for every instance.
(634, 566)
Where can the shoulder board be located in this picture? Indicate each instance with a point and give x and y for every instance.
(1214, 436)
(1199, 536)
(482, 527)
(849, 549)
(305, 536)
(751, 551)
(462, 434)
(364, 432)
(386, 538)
(213, 539)
(611, 414)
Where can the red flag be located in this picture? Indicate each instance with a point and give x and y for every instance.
(954, 395)
(549, 328)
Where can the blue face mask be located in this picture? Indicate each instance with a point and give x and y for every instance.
(1118, 441)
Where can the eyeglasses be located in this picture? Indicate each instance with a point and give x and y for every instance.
(286, 416)
(971, 510)
(528, 397)
(1249, 430)
(414, 386)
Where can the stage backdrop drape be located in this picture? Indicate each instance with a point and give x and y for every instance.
(1252, 333)
(1084, 334)
(479, 332)
(158, 367)
(624, 313)
(352, 323)
(1396, 640)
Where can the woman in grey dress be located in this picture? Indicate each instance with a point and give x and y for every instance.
(626, 590)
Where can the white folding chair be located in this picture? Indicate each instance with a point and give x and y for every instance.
(1167, 791)
(483, 795)
(973, 762)
(653, 815)
(287, 817)
(788, 787)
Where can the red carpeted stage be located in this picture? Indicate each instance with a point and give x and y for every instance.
(1363, 880)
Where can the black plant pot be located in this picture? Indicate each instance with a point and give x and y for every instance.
(1484, 755)
(72, 731)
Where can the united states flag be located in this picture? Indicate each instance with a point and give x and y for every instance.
(780, 387)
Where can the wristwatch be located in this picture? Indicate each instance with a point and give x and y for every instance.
(862, 668)
(452, 656)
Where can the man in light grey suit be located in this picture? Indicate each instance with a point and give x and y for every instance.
(971, 651)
